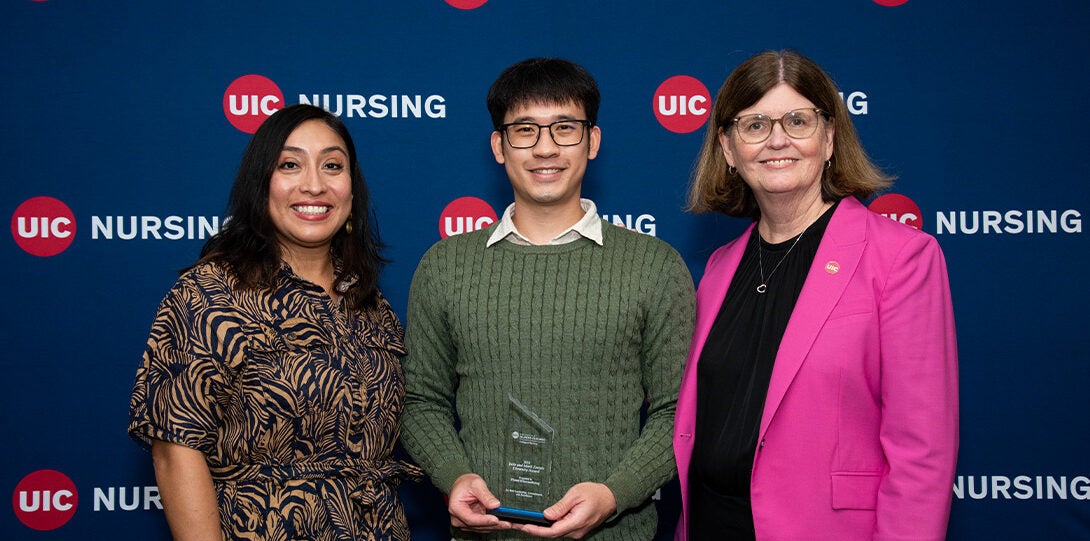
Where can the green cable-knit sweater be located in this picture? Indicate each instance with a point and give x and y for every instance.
(580, 333)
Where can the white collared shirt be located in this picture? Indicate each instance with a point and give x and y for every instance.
(589, 226)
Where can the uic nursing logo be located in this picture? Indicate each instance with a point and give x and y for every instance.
(45, 500)
(983, 222)
(465, 214)
(249, 100)
(682, 104)
(43, 226)
(898, 208)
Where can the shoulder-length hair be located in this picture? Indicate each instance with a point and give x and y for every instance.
(247, 243)
(851, 172)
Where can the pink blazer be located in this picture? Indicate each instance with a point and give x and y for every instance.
(859, 434)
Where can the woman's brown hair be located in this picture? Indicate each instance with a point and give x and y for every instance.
(851, 172)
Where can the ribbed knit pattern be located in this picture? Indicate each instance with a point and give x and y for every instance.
(580, 333)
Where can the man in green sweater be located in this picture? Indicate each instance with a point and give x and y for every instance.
(580, 321)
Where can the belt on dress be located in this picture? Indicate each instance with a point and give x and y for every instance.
(366, 476)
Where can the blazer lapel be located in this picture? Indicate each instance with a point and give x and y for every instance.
(709, 299)
(713, 288)
(835, 262)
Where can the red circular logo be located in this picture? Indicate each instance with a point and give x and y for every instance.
(898, 208)
(890, 3)
(249, 100)
(467, 4)
(465, 214)
(43, 226)
(45, 500)
(682, 104)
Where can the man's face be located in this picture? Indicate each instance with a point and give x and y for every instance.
(546, 174)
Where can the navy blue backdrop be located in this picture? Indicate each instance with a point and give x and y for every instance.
(124, 122)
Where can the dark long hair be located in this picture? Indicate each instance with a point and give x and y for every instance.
(247, 242)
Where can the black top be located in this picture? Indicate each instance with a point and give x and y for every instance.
(732, 380)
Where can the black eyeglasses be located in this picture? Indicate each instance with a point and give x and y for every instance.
(797, 124)
(565, 133)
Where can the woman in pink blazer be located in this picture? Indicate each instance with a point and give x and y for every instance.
(820, 399)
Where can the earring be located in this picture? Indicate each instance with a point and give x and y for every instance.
(348, 225)
(828, 163)
(732, 170)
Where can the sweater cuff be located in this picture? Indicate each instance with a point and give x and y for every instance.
(447, 473)
(626, 491)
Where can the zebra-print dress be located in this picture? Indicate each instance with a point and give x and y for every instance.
(294, 402)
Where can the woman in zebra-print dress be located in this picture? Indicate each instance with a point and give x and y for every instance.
(271, 388)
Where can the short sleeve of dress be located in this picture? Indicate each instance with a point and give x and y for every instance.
(174, 396)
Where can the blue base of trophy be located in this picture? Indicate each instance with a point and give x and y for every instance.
(521, 515)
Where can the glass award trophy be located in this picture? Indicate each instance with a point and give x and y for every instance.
(524, 486)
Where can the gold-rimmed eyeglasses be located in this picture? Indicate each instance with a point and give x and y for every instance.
(565, 133)
(797, 124)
